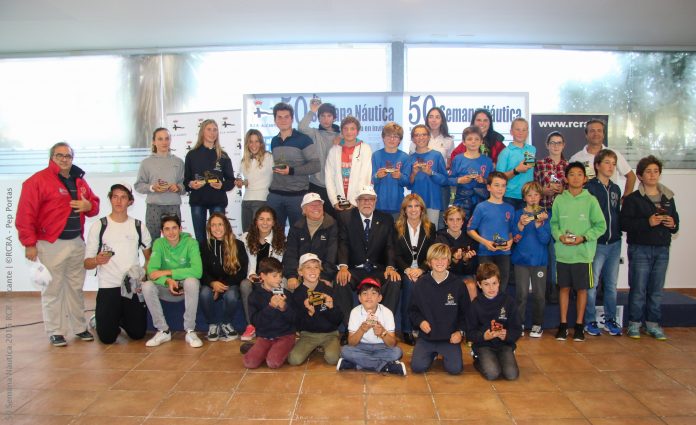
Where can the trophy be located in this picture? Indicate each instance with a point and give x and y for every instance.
(316, 100)
(553, 179)
(589, 169)
(496, 326)
(343, 202)
(498, 240)
(529, 158)
(372, 319)
(107, 250)
(162, 183)
(389, 167)
(661, 209)
(281, 164)
(570, 236)
(484, 150)
(473, 173)
(277, 291)
(536, 211)
(420, 163)
(199, 179)
(238, 176)
(315, 298)
(209, 177)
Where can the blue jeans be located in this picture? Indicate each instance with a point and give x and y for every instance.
(647, 267)
(606, 264)
(230, 299)
(199, 217)
(371, 356)
(286, 207)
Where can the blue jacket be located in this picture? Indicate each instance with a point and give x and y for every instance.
(530, 244)
(609, 198)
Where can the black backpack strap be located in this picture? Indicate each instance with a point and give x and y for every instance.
(138, 223)
(104, 223)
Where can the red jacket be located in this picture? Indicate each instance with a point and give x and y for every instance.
(44, 205)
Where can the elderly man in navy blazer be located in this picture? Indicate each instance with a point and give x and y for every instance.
(365, 248)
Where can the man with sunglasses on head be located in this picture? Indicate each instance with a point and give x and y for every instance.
(50, 222)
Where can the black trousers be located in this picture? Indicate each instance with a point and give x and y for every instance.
(391, 290)
(115, 312)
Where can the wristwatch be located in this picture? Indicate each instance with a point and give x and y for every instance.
(383, 334)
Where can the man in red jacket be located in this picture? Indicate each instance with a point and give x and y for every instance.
(50, 221)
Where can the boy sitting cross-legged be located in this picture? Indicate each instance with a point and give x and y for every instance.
(371, 337)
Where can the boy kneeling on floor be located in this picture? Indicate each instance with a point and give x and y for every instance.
(493, 327)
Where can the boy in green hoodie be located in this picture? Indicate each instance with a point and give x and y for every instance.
(174, 270)
(576, 223)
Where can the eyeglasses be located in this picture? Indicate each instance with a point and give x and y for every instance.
(555, 143)
(391, 136)
(60, 156)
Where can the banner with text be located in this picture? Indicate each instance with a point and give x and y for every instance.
(184, 129)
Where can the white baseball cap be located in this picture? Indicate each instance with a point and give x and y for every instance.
(366, 190)
(308, 257)
(309, 198)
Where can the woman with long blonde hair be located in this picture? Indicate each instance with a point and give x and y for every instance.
(257, 173)
(225, 264)
(414, 235)
(208, 175)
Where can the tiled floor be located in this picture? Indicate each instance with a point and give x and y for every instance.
(605, 380)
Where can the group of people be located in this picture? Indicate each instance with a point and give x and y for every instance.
(433, 264)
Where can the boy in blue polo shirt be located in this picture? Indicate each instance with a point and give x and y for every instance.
(491, 226)
(517, 162)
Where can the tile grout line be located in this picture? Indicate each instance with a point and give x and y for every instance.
(299, 391)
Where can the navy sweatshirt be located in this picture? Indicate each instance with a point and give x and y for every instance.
(443, 305)
(502, 309)
(324, 319)
(197, 162)
(270, 322)
(609, 198)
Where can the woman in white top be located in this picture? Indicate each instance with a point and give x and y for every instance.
(257, 173)
(265, 238)
(348, 165)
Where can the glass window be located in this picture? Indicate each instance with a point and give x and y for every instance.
(106, 106)
(649, 96)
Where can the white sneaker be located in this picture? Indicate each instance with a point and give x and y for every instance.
(159, 338)
(536, 331)
(193, 339)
